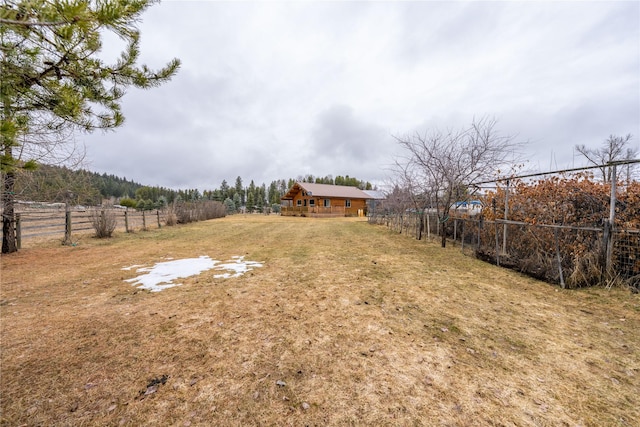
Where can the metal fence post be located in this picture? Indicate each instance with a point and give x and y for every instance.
(455, 230)
(480, 223)
(612, 221)
(495, 226)
(428, 228)
(555, 232)
(506, 217)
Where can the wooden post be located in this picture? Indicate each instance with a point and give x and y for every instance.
(158, 214)
(144, 221)
(67, 227)
(126, 220)
(18, 231)
(67, 218)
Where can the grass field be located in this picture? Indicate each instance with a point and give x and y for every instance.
(345, 324)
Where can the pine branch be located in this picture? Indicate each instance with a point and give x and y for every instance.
(35, 23)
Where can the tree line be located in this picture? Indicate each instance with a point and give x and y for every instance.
(50, 183)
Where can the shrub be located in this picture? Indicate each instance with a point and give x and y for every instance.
(186, 212)
(104, 222)
(171, 217)
(128, 202)
(576, 201)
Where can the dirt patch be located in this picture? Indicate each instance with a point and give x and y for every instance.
(346, 323)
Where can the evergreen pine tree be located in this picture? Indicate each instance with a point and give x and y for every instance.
(239, 190)
(52, 77)
(250, 201)
(230, 205)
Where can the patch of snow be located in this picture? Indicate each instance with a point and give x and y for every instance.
(131, 267)
(162, 275)
(237, 268)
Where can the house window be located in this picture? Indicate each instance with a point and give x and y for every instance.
(327, 203)
(305, 202)
(347, 203)
(312, 202)
(299, 202)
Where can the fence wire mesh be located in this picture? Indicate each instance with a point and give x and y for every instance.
(626, 255)
(570, 256)
(575, 227)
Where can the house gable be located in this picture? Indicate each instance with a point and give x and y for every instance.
(323, 199)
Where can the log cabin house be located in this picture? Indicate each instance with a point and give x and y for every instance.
(323, 200)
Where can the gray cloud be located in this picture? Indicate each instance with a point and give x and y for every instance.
(343, 144)
(277, 90)
(338, 133)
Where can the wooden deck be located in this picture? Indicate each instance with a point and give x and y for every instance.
(314, 211)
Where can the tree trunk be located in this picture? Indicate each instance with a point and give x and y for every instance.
(444, 235)
(9, 242)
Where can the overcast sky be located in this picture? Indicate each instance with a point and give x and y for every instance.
(271, 90)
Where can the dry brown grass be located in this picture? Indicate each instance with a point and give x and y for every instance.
(365, 327)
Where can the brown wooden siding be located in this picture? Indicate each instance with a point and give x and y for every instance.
(337, 207)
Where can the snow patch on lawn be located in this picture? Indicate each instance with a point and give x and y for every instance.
(237, 268)
(163, 274)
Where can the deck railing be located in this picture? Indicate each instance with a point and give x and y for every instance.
(312, 210)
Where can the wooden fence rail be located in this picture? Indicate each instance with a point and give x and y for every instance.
(31, 224)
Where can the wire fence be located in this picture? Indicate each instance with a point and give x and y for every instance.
(627, 254)
(567, 227)
(571, 256)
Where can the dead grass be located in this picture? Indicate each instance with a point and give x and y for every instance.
(365, 327)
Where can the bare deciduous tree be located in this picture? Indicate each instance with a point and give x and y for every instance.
(614, 148)
(445, 164)
(415, 190)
